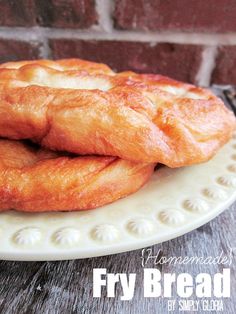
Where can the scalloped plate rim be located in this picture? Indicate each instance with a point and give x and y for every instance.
(115, 249)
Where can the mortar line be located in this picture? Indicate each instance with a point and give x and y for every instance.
(105, 9)
(37, 33)
(203, 76)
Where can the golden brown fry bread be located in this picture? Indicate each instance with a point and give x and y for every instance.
(40, 180)
(86, 108)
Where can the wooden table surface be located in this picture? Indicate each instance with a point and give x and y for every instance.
(66, 286)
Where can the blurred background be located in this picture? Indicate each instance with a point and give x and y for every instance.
(190, 40)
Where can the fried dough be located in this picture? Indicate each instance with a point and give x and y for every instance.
(37, 180)
(86, 108)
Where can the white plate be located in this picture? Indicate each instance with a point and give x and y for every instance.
(174, 202)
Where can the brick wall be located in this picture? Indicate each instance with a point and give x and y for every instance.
(191, 40)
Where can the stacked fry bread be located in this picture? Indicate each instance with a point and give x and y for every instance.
(75, 135)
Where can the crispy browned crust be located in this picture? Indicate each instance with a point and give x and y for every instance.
(86, 108)
(40, 180)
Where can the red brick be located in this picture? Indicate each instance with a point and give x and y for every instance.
(224, 72)
(11, 50)
(178, 61)
(185, 15)
(66, 13)
(17, 13)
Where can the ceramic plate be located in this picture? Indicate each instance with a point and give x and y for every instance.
(174, 202)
